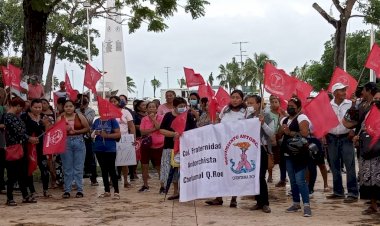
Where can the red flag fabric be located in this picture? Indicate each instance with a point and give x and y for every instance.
(12, 76)
(212, 109)
(55, 99)
(283, 104)
(278, 83)
(32, 158)
(55, 139)
(222, 98)
(372, 124)
(69, 89)
(91, 77)
(107, 110)
(302, 90)
(192, 78)
(373, 59)
(343, 77)
(179, 125)
(321, 114)
(206, 91)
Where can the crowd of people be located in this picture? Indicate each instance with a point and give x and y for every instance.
(91, 140)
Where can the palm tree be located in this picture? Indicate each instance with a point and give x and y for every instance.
(156, 84)
(254, 69)
(229, 76)
(131, 86)
(211, 79)
(181, 82)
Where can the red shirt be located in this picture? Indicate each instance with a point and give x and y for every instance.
(35, 91)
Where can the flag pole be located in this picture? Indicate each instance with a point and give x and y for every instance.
(361, 76)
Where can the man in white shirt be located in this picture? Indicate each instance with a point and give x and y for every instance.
(341, 148)
(62, 90)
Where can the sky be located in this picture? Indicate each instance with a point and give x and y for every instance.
(291, 32)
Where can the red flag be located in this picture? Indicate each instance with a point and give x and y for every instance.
(303, 90)
(55, 99)
(12, 76)
(107, 110)
(179, 125)
(32, 158)
(55, 139)
(321, 114)
(278, 83)
(212, 109)
(206, 91)
(69, 89)
(343, 77)
(372, 124)
(283, 104)
(222, 98)
(373, 59)
(91, 77)
(193, 79)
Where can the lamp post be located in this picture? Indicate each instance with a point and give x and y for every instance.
(372, 76)
(87, 5)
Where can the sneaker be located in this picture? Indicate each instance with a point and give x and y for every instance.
(144, 189)
(280, 184)
(350, 199)
(306, 211)
(162, 191)
(266, 209)
(293, 208)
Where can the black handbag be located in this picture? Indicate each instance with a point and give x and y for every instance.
(146, 142)
(366, 150)
(297, 145)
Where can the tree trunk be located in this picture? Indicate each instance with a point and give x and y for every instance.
(339, 42)
(154, 91)
(34, 43)
(53, 58)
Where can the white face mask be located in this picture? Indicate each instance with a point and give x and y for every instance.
(250, 110)
(181, 110)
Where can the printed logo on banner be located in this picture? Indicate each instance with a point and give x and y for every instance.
(277, 82)
(343, 79)
(55, 137)
(238, 152)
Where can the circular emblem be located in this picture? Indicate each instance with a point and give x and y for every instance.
(277, 81)
(343, 80)
(56, 137)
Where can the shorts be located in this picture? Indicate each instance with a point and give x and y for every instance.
(152, 154)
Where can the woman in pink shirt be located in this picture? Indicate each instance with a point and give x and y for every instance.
(168, 106)
(150, 126)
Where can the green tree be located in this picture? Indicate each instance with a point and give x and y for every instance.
(37, 13)
(130, 84)
(370, 11)
(230, 75)
(181, 82)
(155, 84)
(210, 79)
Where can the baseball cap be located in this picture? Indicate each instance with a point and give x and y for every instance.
(337, 86)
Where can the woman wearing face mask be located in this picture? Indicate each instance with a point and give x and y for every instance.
(194, 105)
(236, 110)
(267, 130)
(369, 163)
(36, 123)
(296, 124)
(168, 106)
(180, 106)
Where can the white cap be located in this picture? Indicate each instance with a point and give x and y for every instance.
(337, 86)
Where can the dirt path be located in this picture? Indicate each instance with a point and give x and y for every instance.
(149, 209)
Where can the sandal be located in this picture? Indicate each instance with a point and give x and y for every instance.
(214, 202)
(29, 199)
(66, 195)
(173, 197)
(47, 194)
(116, 196)
(11, 203)
(326, 189)
(79, 195)
(105, 195)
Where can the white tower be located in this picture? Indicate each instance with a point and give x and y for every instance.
(113, 54)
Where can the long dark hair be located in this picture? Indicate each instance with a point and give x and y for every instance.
(242, 105)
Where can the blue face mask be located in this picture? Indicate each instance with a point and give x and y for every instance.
(193, 102)
(122, 103)
(181, 110)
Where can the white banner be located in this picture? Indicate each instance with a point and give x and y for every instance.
(125, 151)
(220, 160)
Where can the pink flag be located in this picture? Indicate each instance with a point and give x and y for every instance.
(343, 77)
(278, 83)
(321, 114)
(192, 78)
(373, 59)
(372, 124)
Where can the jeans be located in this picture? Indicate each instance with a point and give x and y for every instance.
(263, 199)
(90, 161)
(297, 182)
(73, 162)
(341, 148)
(107, 164)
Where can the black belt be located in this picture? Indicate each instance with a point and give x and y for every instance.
(339, 135)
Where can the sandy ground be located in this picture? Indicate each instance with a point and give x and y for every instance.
(150, 209)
